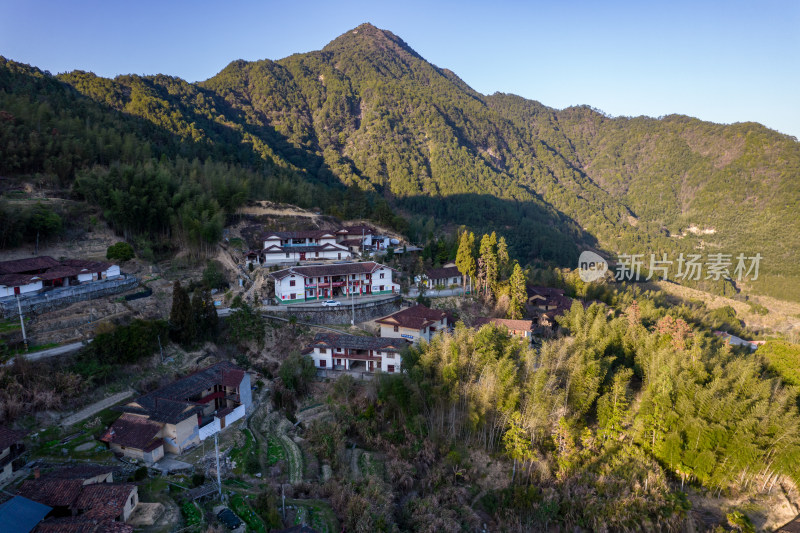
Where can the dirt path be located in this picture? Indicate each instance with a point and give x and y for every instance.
(95, 408)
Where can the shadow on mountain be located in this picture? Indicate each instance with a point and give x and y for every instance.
(534, 232)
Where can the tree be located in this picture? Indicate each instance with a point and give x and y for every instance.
(502, 256)
(297, 371)
(204, 314)
(213, 276)
(488, 263)
(516, 442)
(518, 293)
(465, 257)
(122, 251)
(181, 318)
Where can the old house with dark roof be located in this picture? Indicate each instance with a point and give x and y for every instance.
(321, 282)
(178, 416)
(447, 276)
(21, 276)
(81, 494)
(355, 352)
(11, 447)
(414, 324)
(518, 328)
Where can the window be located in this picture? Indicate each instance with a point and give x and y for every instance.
(322, 363)
(293, 296)
(396, 329)
(390, 368)
(291, 283)
(389, 355)
(287, 255)
(316, 254)
(381, 275)
(339, 255)
(381, 287)
(323, 350)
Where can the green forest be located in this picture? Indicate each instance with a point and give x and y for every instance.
(366, 127)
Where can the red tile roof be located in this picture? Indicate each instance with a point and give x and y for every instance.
(82, 524)
(104, 500)
(417, 317)
(31, 264)
(80, 471)
(52, 492)
(134, 431)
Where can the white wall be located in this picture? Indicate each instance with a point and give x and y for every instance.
(30, 287)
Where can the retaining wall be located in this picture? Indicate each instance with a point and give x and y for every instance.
(64, 296)
(337, 315)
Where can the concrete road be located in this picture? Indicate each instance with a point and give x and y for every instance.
(52, 352)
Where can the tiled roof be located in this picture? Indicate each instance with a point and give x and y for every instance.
(90, 266)
(80, 471)
(306, 234)
(52, 492)
(134, 431)
(30, 264)
(357, 342)
(10, 436)
(18, 280)
(416, 317)
(303, 249)
(104, 500)
(338, 269)
(170, 404)
(82, 524)
(442, 273)
(518, 325)
(547, 292)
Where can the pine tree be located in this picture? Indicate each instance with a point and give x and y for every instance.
(465, 257)
(180, 318)
(488, 262)
(502, 257)
(517, 293)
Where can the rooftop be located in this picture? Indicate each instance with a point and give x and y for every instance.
(357, 342)
(305, 234)
(20, 515)
(52, 492)
(442, 273)
(28, 265)
(337, 269)
(104, 500)
(82, 524)
(171, 404)
(133, 431)
(416, 317)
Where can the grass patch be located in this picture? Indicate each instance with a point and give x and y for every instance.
(193, 516)
(246, 457)
(275, 451)
(243, 510)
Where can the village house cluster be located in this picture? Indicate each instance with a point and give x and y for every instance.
(293, 247)
(177, 417)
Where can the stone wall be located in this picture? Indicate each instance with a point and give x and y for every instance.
(338, 315)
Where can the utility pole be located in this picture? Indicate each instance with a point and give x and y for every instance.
(216, 450)
(22, 323)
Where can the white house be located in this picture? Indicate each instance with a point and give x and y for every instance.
(281, 247)
(23, 276)
(442, 277)
(321, 282)
(355, 352)
(414, 324)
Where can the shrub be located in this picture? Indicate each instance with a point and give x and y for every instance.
(122, 251)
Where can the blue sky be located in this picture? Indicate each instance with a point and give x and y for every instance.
(724, 61)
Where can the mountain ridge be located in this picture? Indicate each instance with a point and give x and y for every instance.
(368, 111)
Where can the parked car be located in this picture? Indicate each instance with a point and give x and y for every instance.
(331, 303)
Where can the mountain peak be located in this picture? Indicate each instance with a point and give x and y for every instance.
(365, 37)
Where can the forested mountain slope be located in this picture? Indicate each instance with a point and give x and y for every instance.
(368, 112)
